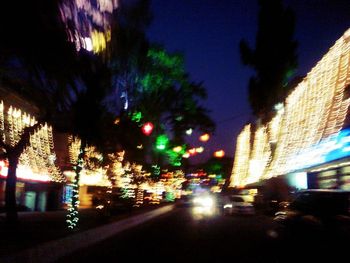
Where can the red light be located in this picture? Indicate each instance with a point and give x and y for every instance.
(192, 151)
(147, 128)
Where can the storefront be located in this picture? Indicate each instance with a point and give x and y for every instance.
(32, 193)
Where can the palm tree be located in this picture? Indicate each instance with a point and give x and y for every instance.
(274, 57)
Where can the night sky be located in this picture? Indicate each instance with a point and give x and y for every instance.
(208, 33)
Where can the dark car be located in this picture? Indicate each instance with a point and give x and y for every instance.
(316, 210)
(113, 204)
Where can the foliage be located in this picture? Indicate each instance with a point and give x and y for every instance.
(274, 57)
(167, 97)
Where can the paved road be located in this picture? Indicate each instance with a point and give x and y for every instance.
(179, 237)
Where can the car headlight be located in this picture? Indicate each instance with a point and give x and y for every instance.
(204, 201)
(227, 206)
(100, 207)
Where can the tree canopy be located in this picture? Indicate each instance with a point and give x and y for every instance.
(274, 57)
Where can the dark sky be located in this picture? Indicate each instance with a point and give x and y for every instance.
(208, 33)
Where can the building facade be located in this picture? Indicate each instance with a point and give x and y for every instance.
(307, 141)
(39, 180)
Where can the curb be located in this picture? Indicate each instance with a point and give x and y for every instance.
(53, 250)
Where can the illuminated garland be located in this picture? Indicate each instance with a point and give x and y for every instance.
(73, 204)
(241, 163)
(86, 165)
(76, 156)
(313, 113)
(260, 155)
(38, 159)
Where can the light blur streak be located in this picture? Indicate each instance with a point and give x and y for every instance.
(88, 20)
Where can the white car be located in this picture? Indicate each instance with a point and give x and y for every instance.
(238, 204)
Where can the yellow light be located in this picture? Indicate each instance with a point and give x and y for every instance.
(200, 149)
(205, 137)
(177, 149)
(98, 40)
(186, 155)
(219, 154)
(37, 161)
(241, 161)
(117, 121)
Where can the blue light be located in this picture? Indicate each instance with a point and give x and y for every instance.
(332, 148)
(298, 180)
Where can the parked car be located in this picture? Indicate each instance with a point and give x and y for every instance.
(113, 204)
(313, 211)
(238, 204)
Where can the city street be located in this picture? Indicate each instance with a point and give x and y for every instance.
(177, 236)
(174, 131)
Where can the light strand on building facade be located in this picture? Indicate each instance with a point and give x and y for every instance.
(260, 155)
(314, 111)
(242, 155)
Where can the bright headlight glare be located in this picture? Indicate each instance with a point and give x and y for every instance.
(207, 201)
(204, 201)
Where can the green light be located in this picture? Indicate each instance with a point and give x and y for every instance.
(161, 142)
(177, 163)
(169, 196)
(156, 170)
(136, 116)
(179, 118)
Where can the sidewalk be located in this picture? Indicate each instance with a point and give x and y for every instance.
(40, 229)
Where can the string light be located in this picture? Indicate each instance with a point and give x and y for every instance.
(240, 166)
(37, 161)
(313, 113)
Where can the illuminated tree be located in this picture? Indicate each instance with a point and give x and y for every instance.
(45, 69)
(274, 58)
(168, 98)
(30, 68)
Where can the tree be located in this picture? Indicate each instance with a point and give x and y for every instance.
(92, 123)
(167, 98)
(128, 51)
(30, 67)
(274, 58)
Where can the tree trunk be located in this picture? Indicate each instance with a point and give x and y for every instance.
(13, 154)
(10, 191)
(73, 213)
